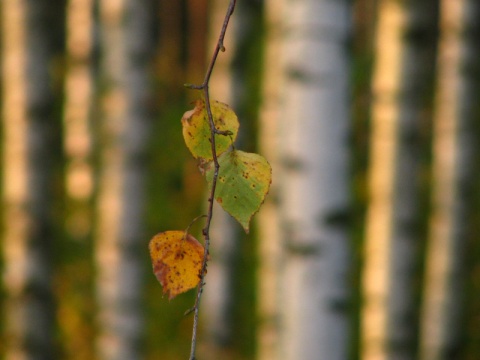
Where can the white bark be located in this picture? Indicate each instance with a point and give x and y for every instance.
(384, 144)
(27, 195)
(402, 308)
(314, 197)
(126, 44)
(218, 301)
(77, 111)
(452, 173)
(400, 77)
(79, 182)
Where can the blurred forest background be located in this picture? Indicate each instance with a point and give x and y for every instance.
(368, 246)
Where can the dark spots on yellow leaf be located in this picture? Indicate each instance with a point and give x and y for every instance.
(180, 255)
(221, 120)
(176, 259)
(219, 200)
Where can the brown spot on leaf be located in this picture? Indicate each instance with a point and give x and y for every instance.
(176, 261)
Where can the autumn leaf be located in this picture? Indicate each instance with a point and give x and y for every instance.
(196, 129)
(177, 261)
(243, 182)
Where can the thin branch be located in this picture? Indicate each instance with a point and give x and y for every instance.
(213, 131)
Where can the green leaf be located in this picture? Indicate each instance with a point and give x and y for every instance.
(196, 129)
(243, 182)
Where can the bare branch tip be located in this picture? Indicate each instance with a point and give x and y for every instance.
(223, 132)
(189, 311)
(193, 86)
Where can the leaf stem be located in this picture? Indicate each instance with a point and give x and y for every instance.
(206, 230)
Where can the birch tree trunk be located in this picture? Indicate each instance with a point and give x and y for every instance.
(78, 107)
(471, 315)
(408, 229)
(453, 169)
(28, 152)
(400, 80)
(74, 316)
(224, 270)
(217, 303)
(270, 254)
(314, 191)
(127, 45)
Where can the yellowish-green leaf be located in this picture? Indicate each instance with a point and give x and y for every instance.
(243, 182)
(177, 261)
(196, 129)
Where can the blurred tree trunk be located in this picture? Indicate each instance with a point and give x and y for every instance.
(170, 68)
(126, 39)
(453, 182)
(314, 191)
(217, 303)
(220, 306)
(197, 38)
(408, 225)
(28, 153)
(471, 315)
(75, 277)
(77, 111)
(400, 81)
(268, 218)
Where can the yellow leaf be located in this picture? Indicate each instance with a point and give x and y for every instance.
(196, 129)
(177, 261)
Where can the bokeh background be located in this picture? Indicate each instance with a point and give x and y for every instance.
(368, 244)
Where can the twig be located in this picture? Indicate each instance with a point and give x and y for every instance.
(213, 132)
